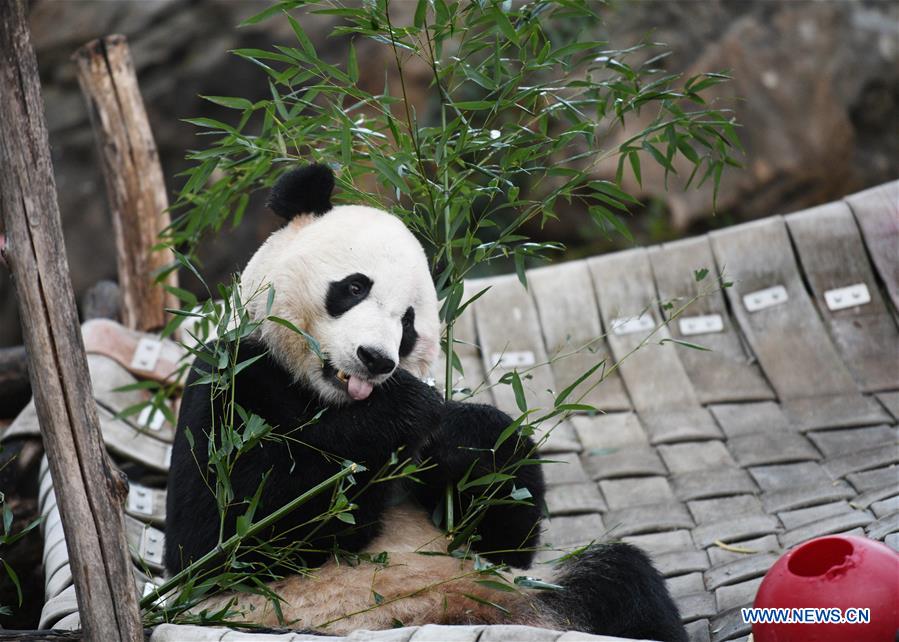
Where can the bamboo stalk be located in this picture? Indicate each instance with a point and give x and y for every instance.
(134, 180)
(256, 528)
(88, 493)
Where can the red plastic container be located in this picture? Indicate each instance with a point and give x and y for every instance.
(836, 572)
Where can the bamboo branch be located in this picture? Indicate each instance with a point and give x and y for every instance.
(254, 529)
(87, 491)
(134, 182)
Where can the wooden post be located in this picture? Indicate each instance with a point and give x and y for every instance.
(134, 183)
(88, 492)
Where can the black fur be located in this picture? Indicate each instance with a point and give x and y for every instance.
(613, 589)
(347, 292)
(453, 447)
(410, 336)
(301, 191)
(401, 412)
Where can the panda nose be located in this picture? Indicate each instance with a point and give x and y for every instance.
(375, 361)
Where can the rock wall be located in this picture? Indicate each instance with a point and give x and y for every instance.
(816, 89)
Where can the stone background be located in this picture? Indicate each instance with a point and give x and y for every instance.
(816, 89)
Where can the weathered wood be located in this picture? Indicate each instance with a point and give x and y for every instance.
(88, 491)
(651, 368)
(510, 339)
(835, 264)
(725, 372)
(788, 338)
(569, 317)
(654, 376)
(877, 213)
(134, 180)
(787, 334)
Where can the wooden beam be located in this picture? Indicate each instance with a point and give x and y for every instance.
(134, 181)
(89, 494)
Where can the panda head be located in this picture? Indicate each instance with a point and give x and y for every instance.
(353, 277)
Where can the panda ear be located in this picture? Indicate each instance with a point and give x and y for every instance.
(303, 190)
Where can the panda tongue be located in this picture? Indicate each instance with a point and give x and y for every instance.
(358, 388)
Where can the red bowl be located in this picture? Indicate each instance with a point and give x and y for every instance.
(837, 572)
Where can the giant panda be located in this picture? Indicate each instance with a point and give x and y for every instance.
(357, 280)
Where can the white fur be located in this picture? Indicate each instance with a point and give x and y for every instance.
(416, 589)
(303, 258)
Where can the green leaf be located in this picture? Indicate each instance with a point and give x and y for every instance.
(352, 65)
(686, 344)
(269, 12)
(230, 102)
(497, 586)
(601, 213)
(560, 399)
(520, 268)
(486, 480)
(311, 341)
(518, 389)
(700, 274)
(302, 38)
(613, 190)
(187, 298)
(14, 579)
(388, 171)
(421, 13)
(501, 20)
(211, 123)
(634, 159)
(520, 494)
(534, 583)
(245, 364)
(660, 158)
(346, 517)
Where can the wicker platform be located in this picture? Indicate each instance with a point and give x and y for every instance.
(715, 461)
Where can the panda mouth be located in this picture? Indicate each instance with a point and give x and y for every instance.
(356, 387)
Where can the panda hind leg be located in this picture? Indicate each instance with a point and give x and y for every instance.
(613, 589)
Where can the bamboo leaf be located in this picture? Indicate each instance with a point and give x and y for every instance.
(229, 101)
(518, 390)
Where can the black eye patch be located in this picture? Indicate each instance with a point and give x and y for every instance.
(410, 336)
(344, 294)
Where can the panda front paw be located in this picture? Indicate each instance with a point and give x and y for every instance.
(508, 490)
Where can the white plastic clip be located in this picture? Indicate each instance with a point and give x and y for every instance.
(146, 354)
(701, 324)
(152, 544)
(848, 297)
(509, 360)
(151, 417)
(140, 500)
(630, 325)
(767, 298)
